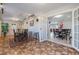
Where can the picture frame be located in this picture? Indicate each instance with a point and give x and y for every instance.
(32, 23)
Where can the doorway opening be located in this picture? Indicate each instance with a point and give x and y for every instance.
(60, 28)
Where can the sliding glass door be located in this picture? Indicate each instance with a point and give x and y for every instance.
(76, 28)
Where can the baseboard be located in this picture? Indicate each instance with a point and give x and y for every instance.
(61, 43)
(57, 43)
(65, 45)
(43, 40)
(76, 49)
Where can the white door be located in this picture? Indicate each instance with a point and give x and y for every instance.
(75, 17)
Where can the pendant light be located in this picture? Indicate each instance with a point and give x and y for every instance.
(2, 9)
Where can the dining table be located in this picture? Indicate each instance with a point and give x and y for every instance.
(62, 33)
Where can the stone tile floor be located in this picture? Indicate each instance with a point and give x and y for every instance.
(34, 47)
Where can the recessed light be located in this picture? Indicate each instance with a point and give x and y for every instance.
(57, 16)
(15, 19)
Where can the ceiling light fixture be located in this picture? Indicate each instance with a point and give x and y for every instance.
(15, 19)
(58, 16)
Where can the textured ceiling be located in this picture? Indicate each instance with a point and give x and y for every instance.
(22, 10)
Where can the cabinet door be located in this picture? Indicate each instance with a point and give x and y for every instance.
(76, 28)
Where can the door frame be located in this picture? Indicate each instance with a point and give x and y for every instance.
(73, 28)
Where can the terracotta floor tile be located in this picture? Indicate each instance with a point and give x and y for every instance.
(38, 48)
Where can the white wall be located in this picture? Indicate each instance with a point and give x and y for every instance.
(43, 28)
(68, 24)
(24, 25)
(34, 28)
(40, 26)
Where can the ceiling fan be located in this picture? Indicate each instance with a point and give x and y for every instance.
(2, 9)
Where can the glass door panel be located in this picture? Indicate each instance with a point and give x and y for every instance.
(76, 28)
